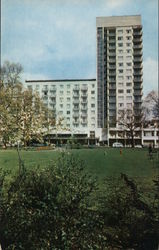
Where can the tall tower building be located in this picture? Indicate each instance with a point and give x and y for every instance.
(119, 68)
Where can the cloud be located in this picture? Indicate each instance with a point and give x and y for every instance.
(150, 75)
(112, 4)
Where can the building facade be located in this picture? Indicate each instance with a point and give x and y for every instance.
(73, 102)
(119, 71)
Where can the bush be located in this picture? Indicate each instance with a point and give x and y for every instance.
(52, 208)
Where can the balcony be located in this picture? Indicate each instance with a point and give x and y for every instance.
(137, 46)
(111, 59)
(111, 79)
(138, 66)
(137, 39)
(137, 73)
(83, 95)
(112, 73)
(111, 66)
(84, 115)
(137, 100)
(75, 108)
(76, 114)
(76, 122)
(137, 86)
(84, 88)
(112, 100)
(112, 93)
(76, 102)
(83, 108)
(76, 88)
(138, 92)
(137, 52)
(137, 32)
(137, 79)
(112, 86)
(83, 101)
(138, 59)
(84, 123)
(75, 95)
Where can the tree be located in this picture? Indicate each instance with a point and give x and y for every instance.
(10, 74)
(156, 109)
(131, 124)
(23, 116)
(52, 209)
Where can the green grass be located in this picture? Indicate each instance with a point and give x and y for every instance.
(99, 162)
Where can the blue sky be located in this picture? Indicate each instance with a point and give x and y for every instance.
(56, 39)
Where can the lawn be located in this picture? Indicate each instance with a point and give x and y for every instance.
(99, 162)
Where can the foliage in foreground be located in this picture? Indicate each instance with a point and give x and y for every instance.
(52, 208)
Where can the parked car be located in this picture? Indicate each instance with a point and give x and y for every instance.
(117, 145)
(138, 146)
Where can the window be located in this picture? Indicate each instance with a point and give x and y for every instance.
(120, 31)
(53, 86)
(68, 105)
(128, 31)
(68, 112)
(92, 105)
(120, 84)
(120, 57)
(92, 92)
(128, 91)
(120, 105)
(92, 112)
(30, 87)
(68, 99)
(128, 51)
(61, 86)
(120, 44)
(120, 77)
(120, 38)
(61, 105)
(128, 37)
(128, 84)
(128, 71)
(129, 64)
(129, 98)
(128, 44)
(61, 92)
(120, 51)
(120, 91)
(93, 85)
(68, 86)
(68, 92)
(120, 71)
(128, 77)
(129, 105)
(120, 64)
(121, 97)
(128, 57)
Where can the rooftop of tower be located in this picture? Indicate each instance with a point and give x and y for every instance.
(118, 21)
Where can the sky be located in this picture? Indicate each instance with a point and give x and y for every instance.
(56, 39)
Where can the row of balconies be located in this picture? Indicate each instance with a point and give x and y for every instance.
(80, 122)
(76, 115)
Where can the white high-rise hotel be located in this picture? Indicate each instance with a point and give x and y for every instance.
(119, 70)
(89, 107)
